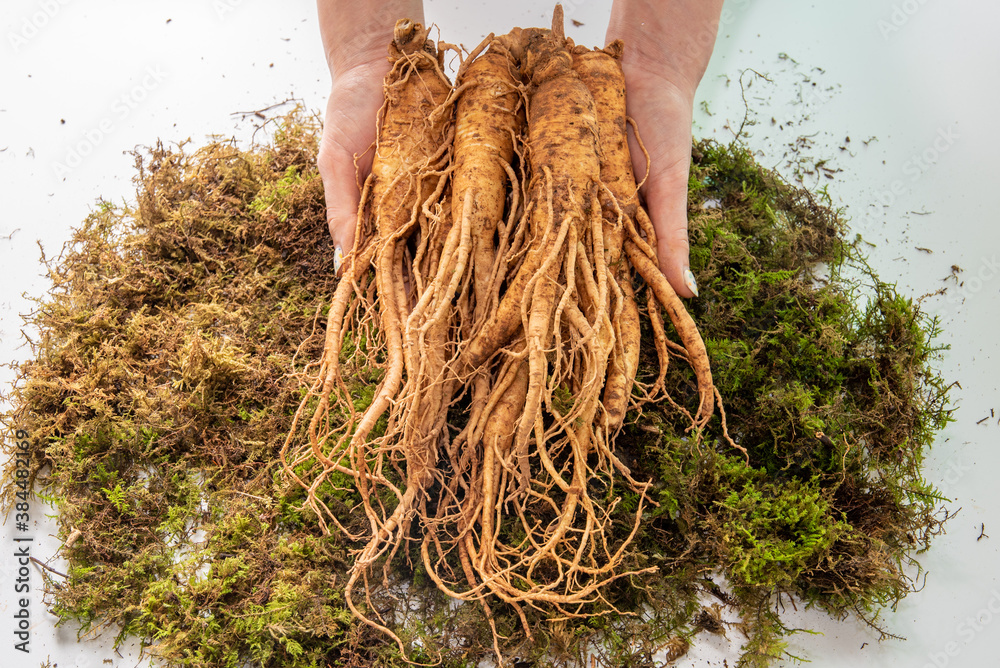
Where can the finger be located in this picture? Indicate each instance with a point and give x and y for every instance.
(338, 167)
(345, 156)
(342, 198)
(666, 200)
(340, 188)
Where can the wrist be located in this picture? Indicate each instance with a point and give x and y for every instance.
(672, 41)
(650, 77)
(348, 57)
(358, 32)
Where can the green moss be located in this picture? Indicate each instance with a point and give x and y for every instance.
(775, 531)
(273, 197)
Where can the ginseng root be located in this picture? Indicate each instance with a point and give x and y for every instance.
(501, 241)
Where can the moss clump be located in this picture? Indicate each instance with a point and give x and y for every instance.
(775, 531)
(178, 338)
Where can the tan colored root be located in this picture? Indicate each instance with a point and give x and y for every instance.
(399, 210)
(561, 301)
(601, 71)
(489, 117)
(625, 355)
(685, 327)
(486, 124)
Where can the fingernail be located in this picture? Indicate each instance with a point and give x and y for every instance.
(338, 259)
(689, 281)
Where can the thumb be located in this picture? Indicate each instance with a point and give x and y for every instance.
(666, 201)
(340, 189)
(663, 114)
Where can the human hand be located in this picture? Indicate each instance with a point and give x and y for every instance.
(344, 159)
(662, 111)
(356, 36)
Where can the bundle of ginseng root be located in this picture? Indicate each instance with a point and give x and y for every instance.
(497, 242)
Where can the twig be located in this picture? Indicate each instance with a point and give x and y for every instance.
(746, 105)
(49, 568)
(259, 113)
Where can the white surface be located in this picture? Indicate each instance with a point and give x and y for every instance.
(918, 75)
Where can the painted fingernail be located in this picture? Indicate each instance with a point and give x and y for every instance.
(689, 281)
(338, 259)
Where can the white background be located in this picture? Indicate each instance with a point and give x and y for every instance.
(915, 77)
